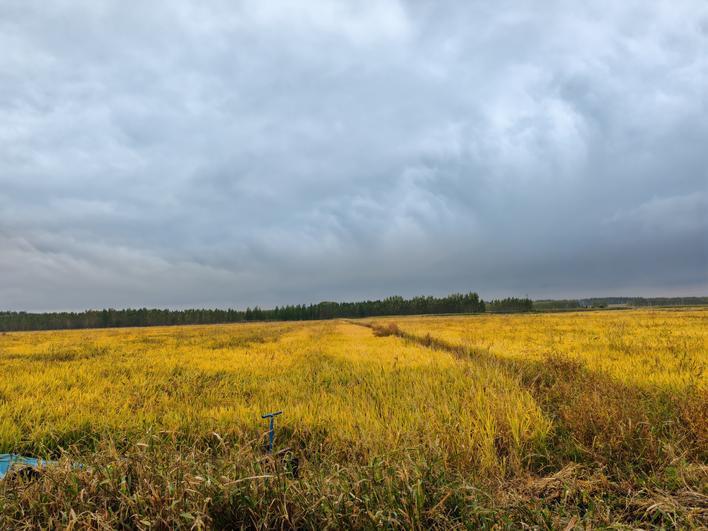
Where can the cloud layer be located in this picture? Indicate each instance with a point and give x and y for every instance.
(238, 153)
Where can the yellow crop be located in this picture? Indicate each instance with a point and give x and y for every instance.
(336, 381)
(400, 422)
(646, 348)
(341, 388)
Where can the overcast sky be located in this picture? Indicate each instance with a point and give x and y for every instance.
(170, 154)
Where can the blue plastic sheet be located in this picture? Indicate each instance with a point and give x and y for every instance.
(7, 461)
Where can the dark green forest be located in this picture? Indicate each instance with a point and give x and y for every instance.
(456, 303)
(451, 304)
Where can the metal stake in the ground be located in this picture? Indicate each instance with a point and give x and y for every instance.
(271, 434)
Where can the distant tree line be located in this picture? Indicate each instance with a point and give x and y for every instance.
(643, 301)
(550, 305)
(609, 302)
(510, 305)
(456, 303)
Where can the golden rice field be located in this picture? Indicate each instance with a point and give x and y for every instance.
(660, 348)
(545, 420)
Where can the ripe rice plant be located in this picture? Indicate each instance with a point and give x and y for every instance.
(543, 420)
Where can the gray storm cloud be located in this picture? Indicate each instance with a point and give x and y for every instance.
(238, 153)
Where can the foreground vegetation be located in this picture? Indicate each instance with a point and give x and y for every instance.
(544, 420)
